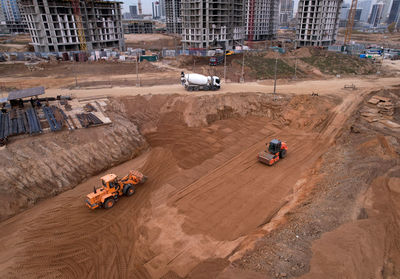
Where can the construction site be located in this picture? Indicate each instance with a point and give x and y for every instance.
(267, 162)
(209, 207)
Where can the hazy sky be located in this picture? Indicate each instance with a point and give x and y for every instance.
(146, 5)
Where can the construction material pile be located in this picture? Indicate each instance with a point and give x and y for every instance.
(19, 121)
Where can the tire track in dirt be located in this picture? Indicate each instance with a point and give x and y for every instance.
(196, 204)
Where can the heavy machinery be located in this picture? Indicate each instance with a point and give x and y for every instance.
(113, 188)
(195, 82)
(216, 60)
(276, 150)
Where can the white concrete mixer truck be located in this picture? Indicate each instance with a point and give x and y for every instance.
(195, 82)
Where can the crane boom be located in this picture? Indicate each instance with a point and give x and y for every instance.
(140, 7)
(350, 22)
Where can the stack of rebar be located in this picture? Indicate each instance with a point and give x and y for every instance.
(33, 121)
(88, 119)
(5, 125)
(55, 123)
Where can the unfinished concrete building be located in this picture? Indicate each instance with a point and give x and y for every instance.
(262, 19)
(173, 16)
(212, 23)
(57, 25)
(285, 12)
(317, 22)
(138, 26)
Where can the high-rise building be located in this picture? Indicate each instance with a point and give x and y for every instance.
(317, 22)
(11, 10)
(376, 14)
(162, 8)
(344, 11)
(133, 11)
(3, 25)
(394, 14)
(207, 24)
(54, 26)
(386, 9)
(366, 9)
(262, 19)
(156, 9)
(285, 12)
(12, 16)
(173, 16)
(357, 16)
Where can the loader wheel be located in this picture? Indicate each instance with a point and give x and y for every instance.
(109, 203)
(130, 191)
(282, 154)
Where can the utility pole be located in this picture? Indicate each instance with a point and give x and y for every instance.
(76, 76)
(276, 66)
(137, 70)
(224, 65)
(242, 78)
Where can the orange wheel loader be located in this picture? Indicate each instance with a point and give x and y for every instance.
(113, 188)
(276, 150)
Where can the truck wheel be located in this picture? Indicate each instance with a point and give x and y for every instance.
(108, 203)
(282, 154)
(130, 191)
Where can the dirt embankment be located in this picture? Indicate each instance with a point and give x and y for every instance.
(205, 192)
(347, 224)
(36, 168)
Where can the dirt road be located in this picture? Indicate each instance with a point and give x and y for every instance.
(323, 87)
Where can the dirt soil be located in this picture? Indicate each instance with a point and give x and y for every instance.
(151, 41)
(387, 40)
(209, 209)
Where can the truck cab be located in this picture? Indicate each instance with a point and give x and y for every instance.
(216, 60)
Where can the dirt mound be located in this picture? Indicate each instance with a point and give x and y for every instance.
(336, 63)
(36, 168)
(302, 52)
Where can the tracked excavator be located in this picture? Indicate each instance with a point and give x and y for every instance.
(113, 188)
(276, 150)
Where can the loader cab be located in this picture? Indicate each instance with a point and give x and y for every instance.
(109, 181)
(274, 146)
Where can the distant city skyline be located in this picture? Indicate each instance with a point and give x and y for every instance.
(146, 5)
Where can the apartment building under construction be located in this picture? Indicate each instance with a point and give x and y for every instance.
(212, 23)
(173, 16)
(317, 22)
(58, 25)
(262, 19)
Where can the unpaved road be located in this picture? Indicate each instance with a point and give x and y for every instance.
(205, 194)
(329, 86)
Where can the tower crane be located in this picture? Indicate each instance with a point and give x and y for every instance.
(139, 7)
(350, 22)
(78, 20)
